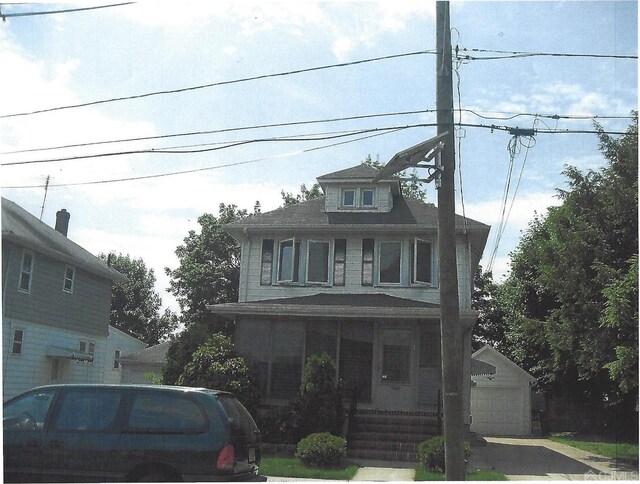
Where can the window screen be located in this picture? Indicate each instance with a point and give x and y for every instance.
(356, 359)
(286, 358)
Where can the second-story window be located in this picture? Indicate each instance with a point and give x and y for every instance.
(367, 199)
(421, 262)
(18, 338)
(288, 261)
(26, 271)
(339, 261)
(318, 261)
(69, 277)
(389, 263)
(267, 262)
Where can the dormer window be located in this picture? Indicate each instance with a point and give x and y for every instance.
(366, 198)
(349, 198)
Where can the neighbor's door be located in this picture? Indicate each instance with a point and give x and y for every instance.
(396, 363)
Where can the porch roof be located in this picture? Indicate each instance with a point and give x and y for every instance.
(344, 306)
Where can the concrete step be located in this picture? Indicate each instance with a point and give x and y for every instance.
(385, 455)
(390, 437)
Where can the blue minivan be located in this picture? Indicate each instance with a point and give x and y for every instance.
(84, 433)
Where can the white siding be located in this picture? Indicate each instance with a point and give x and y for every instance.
(117, 340)
(33, 368)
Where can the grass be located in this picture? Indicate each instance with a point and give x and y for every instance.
(423, 475)
(292, 467)
(613, 450)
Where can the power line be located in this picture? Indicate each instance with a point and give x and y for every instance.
(196, 170)
(492, 127)
(519, 54)
(49, 12)
(215, 84)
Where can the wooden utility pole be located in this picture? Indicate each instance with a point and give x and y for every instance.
(451, 334)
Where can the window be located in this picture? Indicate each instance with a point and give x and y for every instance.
(16, 345)
(267, 262)
(165, 413)
(69, 276)
(421, 262)
(88, 410)
(348, 198)
(28, 412)
(367, 198)
(87, 347)
(367, 261)
(26, 271)
(390, 255)
(82, 346)
(318, 261)
(339, 261)
(289, 261)
(116, 363)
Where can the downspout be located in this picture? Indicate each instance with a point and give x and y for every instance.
(4, 307)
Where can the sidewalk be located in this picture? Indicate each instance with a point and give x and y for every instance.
(370, 470)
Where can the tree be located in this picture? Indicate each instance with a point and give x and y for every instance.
(305, 195)
(135, 306)
(571, 297)
(209, 267)
(490, 327)
(215, 365)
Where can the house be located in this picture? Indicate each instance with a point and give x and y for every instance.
(354, 274)
(56, 299)
(500, 399)
(138, 367)
(119, 345)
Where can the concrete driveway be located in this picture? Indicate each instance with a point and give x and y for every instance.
(542, 459)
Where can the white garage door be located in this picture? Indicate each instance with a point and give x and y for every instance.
(499, 411)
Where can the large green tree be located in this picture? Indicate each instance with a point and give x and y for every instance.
(490, 327)
(135, 305)
(571, 298)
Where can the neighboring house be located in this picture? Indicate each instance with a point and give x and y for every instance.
(354, 274)
(56, 299)
(119, 344)
(139, 366)
(501, 399)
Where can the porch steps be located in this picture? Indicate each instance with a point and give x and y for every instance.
(390, 436)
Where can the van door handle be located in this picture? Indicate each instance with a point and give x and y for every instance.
(56, 444)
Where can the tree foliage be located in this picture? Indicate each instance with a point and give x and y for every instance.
(305, 195)
(571, 298)
(490, 327)
(411, 188)
(135, 306)
(215, 365)
(209, 267)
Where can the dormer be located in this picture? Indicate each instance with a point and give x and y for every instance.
(353, 190)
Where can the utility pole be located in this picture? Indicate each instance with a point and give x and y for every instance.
(451, 334)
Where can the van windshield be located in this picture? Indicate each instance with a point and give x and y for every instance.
(239, 417)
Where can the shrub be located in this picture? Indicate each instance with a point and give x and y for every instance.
(277, 425)
(431, 453)
(322, 449)
(319, 404)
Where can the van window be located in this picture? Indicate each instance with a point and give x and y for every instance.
(28, 412)
(88, 409)
(239, 417)
(163, 412)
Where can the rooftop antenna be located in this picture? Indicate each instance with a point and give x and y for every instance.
(46, 188)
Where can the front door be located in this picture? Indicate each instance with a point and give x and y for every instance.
(396, 363)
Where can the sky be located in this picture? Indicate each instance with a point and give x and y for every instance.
(235, 48)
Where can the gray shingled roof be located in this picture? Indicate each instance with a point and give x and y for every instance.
(153, 354)
(353, 300)
(22, 228)
(362, 171)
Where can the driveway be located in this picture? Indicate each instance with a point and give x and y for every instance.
(541, 459)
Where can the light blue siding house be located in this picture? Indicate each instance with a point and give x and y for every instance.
(56, 298)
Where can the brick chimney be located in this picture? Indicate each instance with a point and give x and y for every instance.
(62, 221)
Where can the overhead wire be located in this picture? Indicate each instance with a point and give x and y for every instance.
(520, 54)
(69, 10)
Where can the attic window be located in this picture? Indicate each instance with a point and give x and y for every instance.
(367, 198)
(348, 198)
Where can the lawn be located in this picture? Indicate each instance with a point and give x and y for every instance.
(422, 475)
(613, 450)
(292, 467)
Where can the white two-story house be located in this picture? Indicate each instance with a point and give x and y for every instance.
(353, 274)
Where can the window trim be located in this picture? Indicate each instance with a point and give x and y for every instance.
(20, 343)
(308, 280)
(295, 262)
(355, 197)
(116, 364)
(72, 279)
(414, 262)
(27, 290)
(400, 263)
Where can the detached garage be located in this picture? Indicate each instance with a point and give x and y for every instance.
(500, 402)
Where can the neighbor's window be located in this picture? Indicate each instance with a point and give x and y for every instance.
(421, 262)
(69, 276)
(16, 346)
(367, 198)
(348, 198)
(390, 254)
(288, 261)
(318, 261)
(116, 363)
(26, 271)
